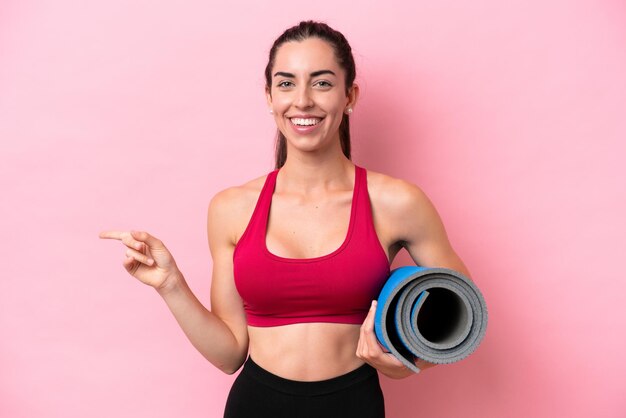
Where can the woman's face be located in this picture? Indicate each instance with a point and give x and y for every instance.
(308, 94)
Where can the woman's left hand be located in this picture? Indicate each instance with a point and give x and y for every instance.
(373, 353)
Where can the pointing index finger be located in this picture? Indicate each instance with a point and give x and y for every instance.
(110, 235)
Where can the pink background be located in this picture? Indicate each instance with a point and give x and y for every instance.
(133, 114)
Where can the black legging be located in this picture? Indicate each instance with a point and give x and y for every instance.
(258, 393)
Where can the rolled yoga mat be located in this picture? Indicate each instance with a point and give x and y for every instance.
(435, 314)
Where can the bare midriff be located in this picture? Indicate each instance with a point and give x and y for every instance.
(306, 351)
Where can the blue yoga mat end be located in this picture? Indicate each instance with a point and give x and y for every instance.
(434, 314)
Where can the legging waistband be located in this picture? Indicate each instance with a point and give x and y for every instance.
(319, 387)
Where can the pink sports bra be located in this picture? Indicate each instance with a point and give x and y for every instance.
(337, 287)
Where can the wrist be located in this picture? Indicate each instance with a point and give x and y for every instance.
(174, 282)
(402, 373)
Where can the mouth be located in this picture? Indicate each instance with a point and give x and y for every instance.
(305, 122)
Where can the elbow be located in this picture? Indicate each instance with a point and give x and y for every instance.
(230, 372)
(231, 368)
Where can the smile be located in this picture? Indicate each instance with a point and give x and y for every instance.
(305, 122)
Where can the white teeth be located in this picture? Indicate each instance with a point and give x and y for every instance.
(305, 122)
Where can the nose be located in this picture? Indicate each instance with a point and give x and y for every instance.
(303, 98)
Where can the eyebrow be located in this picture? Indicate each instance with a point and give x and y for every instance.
(313, 74)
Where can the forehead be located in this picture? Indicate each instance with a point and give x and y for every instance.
(305, 56)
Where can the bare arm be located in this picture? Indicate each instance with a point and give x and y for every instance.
(226, 303)
(219, 335)
(208, 333)
(408, 219)
(423, 234)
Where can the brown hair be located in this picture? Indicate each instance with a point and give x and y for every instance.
(343, 53)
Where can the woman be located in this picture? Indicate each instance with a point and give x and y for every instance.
(300, 255)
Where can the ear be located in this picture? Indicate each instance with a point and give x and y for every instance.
(268, 97)
(353, 96)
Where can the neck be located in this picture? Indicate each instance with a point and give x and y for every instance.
(308, 173)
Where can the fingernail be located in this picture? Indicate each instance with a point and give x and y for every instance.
(150, 261)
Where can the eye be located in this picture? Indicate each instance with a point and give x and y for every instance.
(323, 84)
(284, 84)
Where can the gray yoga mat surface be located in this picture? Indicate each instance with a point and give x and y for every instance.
(435, 314)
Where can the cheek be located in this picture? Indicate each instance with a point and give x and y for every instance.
(281, 103)
(335, 103)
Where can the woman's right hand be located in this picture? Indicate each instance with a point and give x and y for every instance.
(147, 259)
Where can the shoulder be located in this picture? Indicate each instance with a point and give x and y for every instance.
(395, 195)
(237, 197)
(230, 209)
(402, 211)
